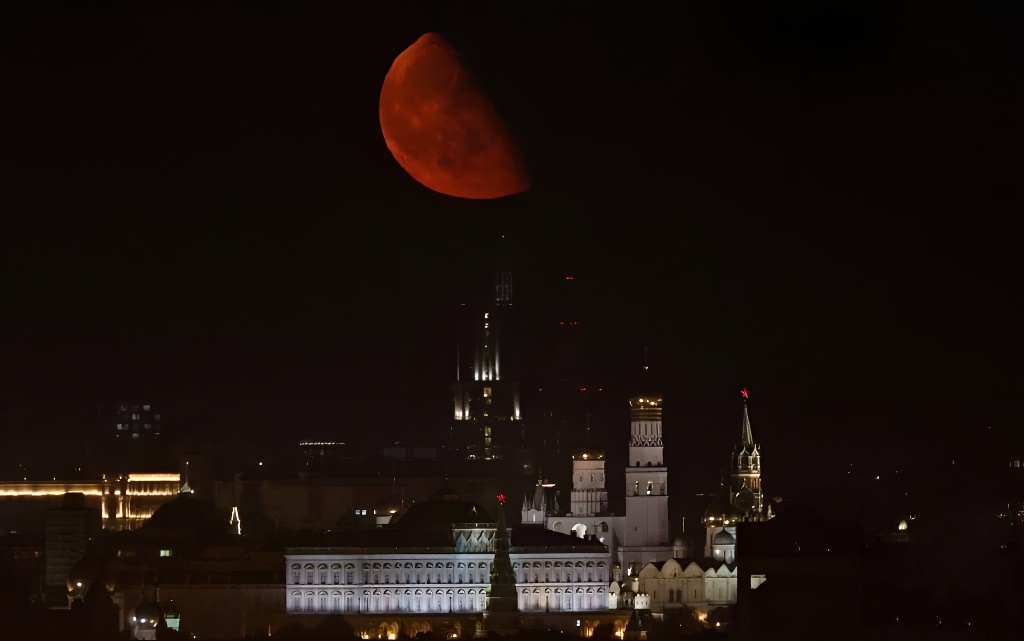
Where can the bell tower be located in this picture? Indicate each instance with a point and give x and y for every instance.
(646, 481)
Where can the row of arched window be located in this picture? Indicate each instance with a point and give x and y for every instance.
(558, 572)
(471, 600)
(419, 600)
(557, 599)
(399, 573)
(409, 572)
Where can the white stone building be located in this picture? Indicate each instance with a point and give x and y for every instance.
(436, 558)
(642, 534)
(702, 584)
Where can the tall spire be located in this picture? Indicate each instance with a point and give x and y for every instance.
(746, 436)
(501, 615)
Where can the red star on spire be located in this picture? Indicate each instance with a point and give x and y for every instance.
(501, 499)
(745, 392)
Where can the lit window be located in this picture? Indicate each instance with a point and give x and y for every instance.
(166, 552)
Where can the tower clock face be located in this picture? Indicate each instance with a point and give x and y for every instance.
(744, 501)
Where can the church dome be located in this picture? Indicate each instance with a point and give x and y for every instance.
(724, 538)
(721, 508)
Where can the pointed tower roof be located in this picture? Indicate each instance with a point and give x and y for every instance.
(746, 436)
(501, 614)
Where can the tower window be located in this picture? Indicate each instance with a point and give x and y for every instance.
(650, 487)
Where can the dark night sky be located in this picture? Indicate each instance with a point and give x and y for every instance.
(819, 204)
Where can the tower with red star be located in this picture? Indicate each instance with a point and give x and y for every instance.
(745, 478)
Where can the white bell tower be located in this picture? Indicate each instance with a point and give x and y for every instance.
(647, 524)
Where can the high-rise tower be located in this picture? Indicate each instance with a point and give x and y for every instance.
(486, 419)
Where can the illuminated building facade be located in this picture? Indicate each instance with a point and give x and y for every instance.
(124, 502)
(429, 564)
(702, 584)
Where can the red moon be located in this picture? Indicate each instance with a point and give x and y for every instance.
(443, 130)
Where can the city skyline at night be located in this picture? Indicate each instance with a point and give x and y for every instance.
(801, 224)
